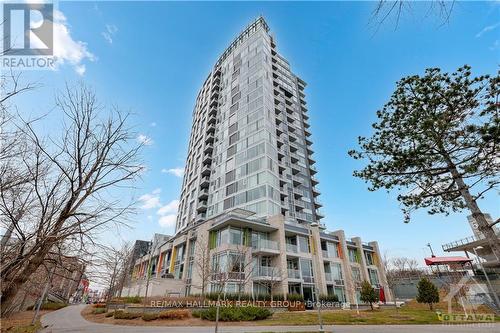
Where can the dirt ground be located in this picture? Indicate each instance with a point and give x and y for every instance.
(18, 319)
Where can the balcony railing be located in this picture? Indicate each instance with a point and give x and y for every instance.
(222, 276)
(266, 271)
(465, 241)
(291, 248)
(293, 273)
(264, 244)
(308, 279)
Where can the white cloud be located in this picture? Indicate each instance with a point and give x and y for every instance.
(66, 49)
(487, 29)
(168, 221)
(80, 69)
(168, 214)
(150, 200)
(145, 140)
(108, 35)
(178, 172)
(153, 124)
(170, 207)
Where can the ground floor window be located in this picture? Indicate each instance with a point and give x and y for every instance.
(294, 288)
(261, 288)
(339, 291)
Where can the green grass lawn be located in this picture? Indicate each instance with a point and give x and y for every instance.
(340, 317)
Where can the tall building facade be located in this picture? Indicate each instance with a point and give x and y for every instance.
(250, 144)
(248, 219)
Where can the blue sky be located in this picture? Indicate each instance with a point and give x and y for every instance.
(151, 58)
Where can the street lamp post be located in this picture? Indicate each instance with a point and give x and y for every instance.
(318, 303)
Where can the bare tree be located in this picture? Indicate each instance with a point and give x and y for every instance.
(274, 275)
(69, 196)
(202, 262)
(396, 9)
(110, 267)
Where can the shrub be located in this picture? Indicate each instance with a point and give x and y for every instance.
(247, 313)
(109, 314)
(174, 314)
(295, 297)
(120, 314)
(368, 294)
(99, 305)
(427, 292)
(49, 306)
(132, 299)
(149, 316)
(99, 311)
(329, 298)
(236, 296)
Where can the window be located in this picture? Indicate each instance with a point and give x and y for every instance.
(356, 274)
(231, 188)
(352, 255)
(233, 138)
(231, 151)
(337, 272)
(230, 176)
(339, 291)
(232, 110)
(235, 236)
(369, 258)
(236, 97)
(303, 244)
(306, 268)
(233, 128)
(372, 273)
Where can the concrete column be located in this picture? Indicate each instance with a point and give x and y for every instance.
(349, 285)
(317, 261)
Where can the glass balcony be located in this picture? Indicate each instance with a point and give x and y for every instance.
(267, 272)
(264, 244)
(291, 248)
(293, 274)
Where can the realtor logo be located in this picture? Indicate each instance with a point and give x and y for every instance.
(28, 29)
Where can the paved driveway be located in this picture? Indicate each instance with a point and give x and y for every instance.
(68, 320)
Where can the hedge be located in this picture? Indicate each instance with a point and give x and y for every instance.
(99, 311)
(329, 298)
(50, 306)
(246, 313)
(173, 314)
(149, 316)
(295, 297)
(120, 314)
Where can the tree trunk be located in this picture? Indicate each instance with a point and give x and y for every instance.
(430, 306)
(477, 214)
(9, 294)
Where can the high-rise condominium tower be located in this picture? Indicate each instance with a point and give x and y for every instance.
(250, 142)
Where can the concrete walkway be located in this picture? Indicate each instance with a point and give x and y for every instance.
(68, 320)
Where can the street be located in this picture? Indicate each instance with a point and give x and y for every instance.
(69, 320)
